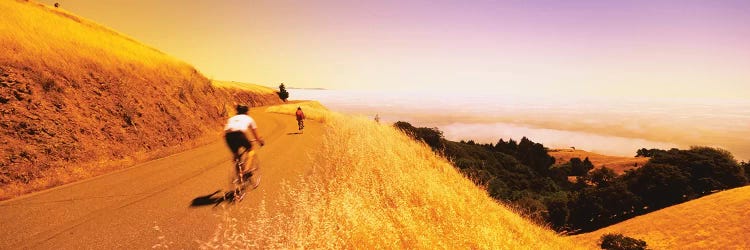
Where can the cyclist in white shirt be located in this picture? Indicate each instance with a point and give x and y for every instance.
(237, 126)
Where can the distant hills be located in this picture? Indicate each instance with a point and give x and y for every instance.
(308, 88)
(619, 164)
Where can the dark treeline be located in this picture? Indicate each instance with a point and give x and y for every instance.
(574, 197)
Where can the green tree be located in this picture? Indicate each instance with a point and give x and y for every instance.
(643, 152)
(595, 207)
(580, 168)
(283, 94)
(510, 147)
(531, 207)
(660, 185)
(709, 169)
(558, 211)
(433, 137)
(535, 156)
(602, 177)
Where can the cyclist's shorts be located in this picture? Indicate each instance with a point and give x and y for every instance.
(237, 140)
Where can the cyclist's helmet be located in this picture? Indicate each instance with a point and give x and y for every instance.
(241, 109)
(299, 108)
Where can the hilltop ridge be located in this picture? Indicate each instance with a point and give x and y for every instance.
(78, 99)
(716, 221)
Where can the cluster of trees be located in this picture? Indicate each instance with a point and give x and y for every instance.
(575, 197)
(647, 152)
(431, 136)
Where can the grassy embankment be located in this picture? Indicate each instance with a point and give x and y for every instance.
(373, 187)
(78, 99)
(252, 88)
(717, 221)
(313, 110)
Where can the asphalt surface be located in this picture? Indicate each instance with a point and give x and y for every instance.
(181, 194)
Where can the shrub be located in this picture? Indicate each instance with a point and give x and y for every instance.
(621, 242)
(49, 84)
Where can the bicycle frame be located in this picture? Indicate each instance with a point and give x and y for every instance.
(240, 180)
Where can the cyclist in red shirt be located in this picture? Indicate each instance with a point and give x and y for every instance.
(300, 118)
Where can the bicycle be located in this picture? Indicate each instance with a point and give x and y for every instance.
(301, 125)
(242, 177)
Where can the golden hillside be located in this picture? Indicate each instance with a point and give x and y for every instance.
(78, 99)
(373, 187)
(249, 87)
(313, 110)
(617, 163)
(717, 221)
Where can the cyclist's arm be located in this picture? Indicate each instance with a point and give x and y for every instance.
(253, 127)
(257, 137)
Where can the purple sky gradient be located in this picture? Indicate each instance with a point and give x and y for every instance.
(674, 48)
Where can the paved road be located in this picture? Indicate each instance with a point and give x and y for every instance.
(120, 210)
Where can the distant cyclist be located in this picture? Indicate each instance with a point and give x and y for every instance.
(235, 131)
(300, 118)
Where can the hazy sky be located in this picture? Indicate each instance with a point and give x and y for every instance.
(680, 48)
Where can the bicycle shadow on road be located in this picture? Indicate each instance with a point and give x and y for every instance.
(212, 199)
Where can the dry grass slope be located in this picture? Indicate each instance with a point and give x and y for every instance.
(248, 87)
(372, 187)
(78, 99)
(313, 110)
(717, 221)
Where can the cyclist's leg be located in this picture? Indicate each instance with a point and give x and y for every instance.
(251, 166)
(246, 148)
(234, 142)
(244, 154)
(239, 145)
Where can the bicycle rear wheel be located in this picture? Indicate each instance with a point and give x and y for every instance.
(237, 182)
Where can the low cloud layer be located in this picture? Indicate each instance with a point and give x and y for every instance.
(609, 126)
